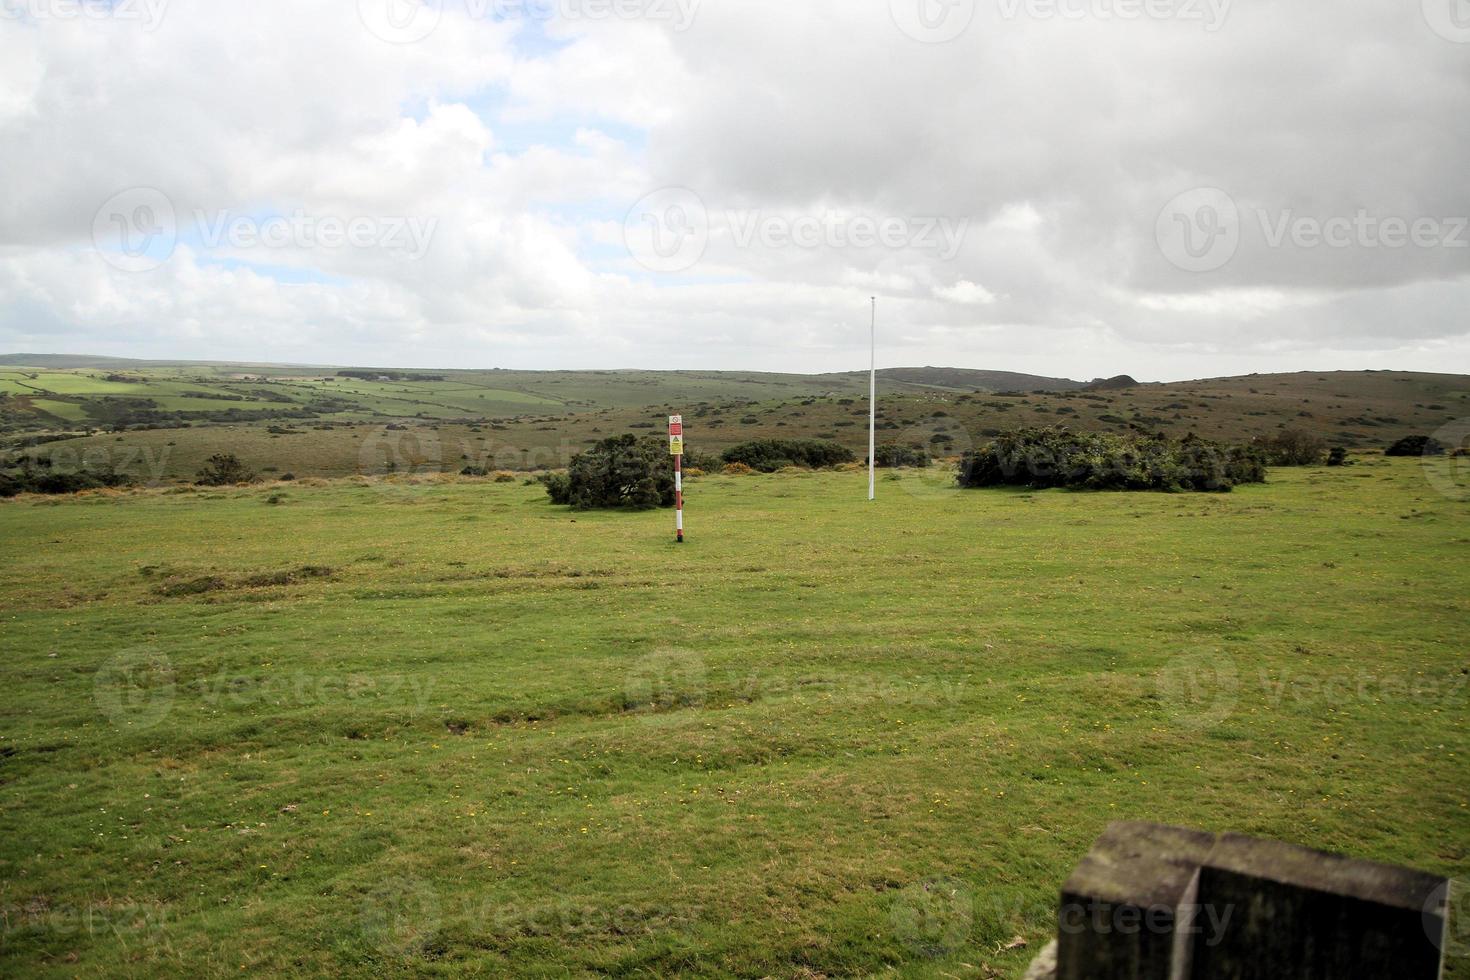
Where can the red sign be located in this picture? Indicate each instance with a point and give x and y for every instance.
(676, 428)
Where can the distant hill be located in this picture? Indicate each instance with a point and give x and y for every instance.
(1111, 384)
(970, 379)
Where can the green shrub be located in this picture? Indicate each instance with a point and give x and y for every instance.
(771, 455)
(621, 472)
(558, 487)
(1416, 446)
(1056, 457)
(1294, 447)
(224, 469)
(1338, 457)
(891, 455)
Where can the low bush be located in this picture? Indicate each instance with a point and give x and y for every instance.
(1056, 457)
(621, 472)
(894, 456)
(222, 470)
(1294, 447)
(1416, 446)
(736, 469)
(29, 481)
(1338, 457)
(771, 455)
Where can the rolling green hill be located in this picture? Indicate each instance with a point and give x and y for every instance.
(306, 421)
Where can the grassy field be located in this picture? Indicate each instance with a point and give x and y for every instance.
(444, 728)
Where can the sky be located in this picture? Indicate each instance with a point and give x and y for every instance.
(1170, 189)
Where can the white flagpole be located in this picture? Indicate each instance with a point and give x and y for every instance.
(873, 408)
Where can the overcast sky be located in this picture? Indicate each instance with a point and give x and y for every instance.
(1166, 188)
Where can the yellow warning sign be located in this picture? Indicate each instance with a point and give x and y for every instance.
(676, 445)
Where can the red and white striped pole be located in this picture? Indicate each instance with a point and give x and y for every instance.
(676, 449)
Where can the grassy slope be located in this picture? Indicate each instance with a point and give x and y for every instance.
(425, 764)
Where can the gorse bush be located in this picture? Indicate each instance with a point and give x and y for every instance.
(1056, 457)
(893, 456)
(620, 472)
(224, 469)
(1294, 447)
(1416, 446)
(770, 455)
(29, 481)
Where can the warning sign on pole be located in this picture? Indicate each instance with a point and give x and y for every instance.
(676, 449)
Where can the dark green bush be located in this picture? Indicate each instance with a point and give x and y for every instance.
(1338, 457)
(891, 455)
(29, 481)
(224, 469)
(1056, 457)
(558, 487)
(770, 455)
(1416, 446)
(1294, 447)
(621, 472)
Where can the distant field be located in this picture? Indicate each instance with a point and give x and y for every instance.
(1363, 410)
(443, 728)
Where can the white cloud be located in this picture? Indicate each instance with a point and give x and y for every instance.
(1054, 143)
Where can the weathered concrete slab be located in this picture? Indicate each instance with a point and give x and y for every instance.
(1297, 912)
(1128, 910)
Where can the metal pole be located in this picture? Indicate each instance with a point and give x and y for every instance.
(873, 408)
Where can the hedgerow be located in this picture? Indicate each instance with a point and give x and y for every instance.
(770, 455)
(1057, 457)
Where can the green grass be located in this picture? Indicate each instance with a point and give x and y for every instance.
(500, 738)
